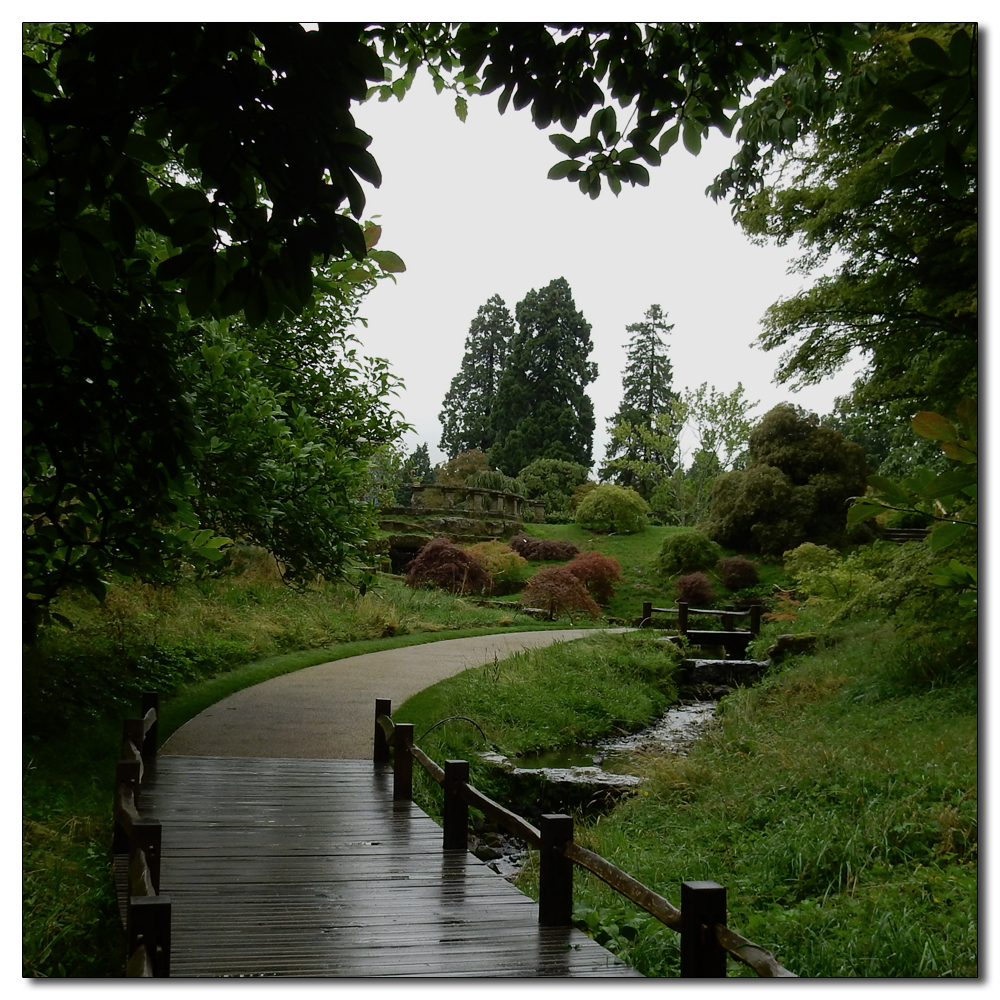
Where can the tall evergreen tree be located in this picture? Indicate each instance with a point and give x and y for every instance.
(468, 406)
(636, 442)
(542, 409)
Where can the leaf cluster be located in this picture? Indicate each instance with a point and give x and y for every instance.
(542, 549)
(557, 590)
(598, 572)
(613, 508)
(687, 551)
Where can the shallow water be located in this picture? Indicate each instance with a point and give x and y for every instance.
(612, 761)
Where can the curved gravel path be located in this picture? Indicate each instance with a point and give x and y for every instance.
(327, 711)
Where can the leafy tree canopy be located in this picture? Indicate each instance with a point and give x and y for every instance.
(795, 487)
(886, 203)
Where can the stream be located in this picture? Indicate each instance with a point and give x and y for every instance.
(585, 776)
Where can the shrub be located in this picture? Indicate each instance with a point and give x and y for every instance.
(737, 573)
(541, 549)
(613, 508)
(809, 558)
(695, 589)
(441, 563)
(556, 590)
(552, 482)
(687, 552)
(500, 560)
(598, 573)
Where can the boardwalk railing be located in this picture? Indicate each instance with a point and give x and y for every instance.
(735, 640)
(701, 920)
(145, 912)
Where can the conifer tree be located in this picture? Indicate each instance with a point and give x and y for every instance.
(542, 409)
(639, 451)
(467, 415)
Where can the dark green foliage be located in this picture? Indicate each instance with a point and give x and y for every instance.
(598, 572)
(557, 591)
(542, 409)
(542, 549)
(695, 589)
(613, 508)
(552, 482)
(441, 563)
(737, 573)
(467, 417)
(905, 237)
(687, 551)
(646, 392)
(795, 487)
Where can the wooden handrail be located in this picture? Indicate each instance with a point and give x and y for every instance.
(759, 959)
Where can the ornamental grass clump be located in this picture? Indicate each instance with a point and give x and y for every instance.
(555, 590)
(441, 563)
(598, 573)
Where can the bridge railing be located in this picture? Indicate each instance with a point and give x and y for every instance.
(701, 919)
(136, 844)
(734, 639)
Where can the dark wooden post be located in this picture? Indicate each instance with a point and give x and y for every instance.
(703, 905)
(555, 876)
(132, 733)
(755, 610)
(150, 699)
(402, 763)
(682, 617)
(647, 615)
(380, 755)
(149, 924)
(456, 809)
(147, 836)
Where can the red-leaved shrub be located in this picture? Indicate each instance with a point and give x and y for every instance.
(441, 563)
(695, 589)
(598, 572)
(556, 590)
(737, 572)
(542, 549)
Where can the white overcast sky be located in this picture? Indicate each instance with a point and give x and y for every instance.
(469, 209)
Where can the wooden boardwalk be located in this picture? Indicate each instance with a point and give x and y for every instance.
(281, 867)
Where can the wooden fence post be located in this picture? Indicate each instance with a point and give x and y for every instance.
(147, 836)
(456, 809)
(703, 905)
(149, 924)
(647, 615)
(555, 876)
(682, 617)
(755, 610)
(150, 699)
(380, 755)
(402, 763)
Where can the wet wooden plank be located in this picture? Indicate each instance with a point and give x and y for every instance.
(308, 868)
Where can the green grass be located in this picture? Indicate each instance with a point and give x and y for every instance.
(837, 801)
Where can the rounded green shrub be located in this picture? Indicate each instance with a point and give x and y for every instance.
(809, 558)
(613, 508)
(687, 552)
